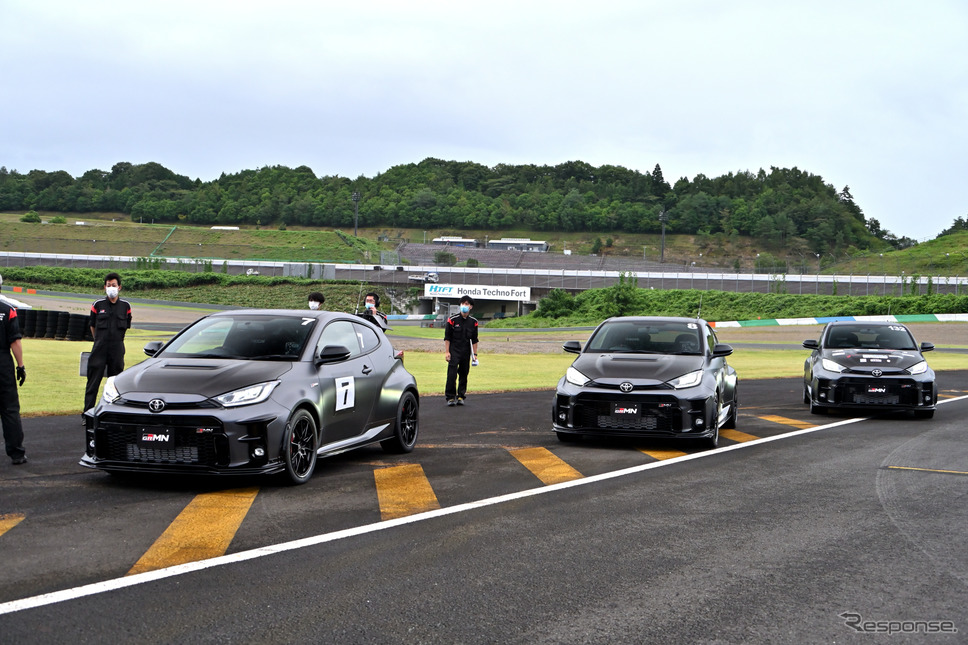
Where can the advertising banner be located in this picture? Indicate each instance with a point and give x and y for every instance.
(478, 291)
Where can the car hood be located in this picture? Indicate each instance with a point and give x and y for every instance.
(615, 368)
(199, 377)
(865, 360)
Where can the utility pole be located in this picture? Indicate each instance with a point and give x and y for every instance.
(663, 218)
(356, 212)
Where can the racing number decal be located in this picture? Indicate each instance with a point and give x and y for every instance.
(345, 393)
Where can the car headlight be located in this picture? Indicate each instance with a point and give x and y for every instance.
(110, 391)
(831, 366)
(575, 377)
(691, 379)
(919, 368)
(247, 395)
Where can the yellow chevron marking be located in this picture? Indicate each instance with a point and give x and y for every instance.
(547, 467)
(663, 454)
(204, 529)
(404, 490)
(736, 435)
(10, 520)
(803, 425)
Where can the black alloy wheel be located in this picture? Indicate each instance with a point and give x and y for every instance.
(299, 447)
(407, 426)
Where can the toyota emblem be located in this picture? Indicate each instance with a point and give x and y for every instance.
(156, 405)
(877, 373)
(625, 387)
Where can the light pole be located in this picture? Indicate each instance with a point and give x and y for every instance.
(663, 218)
(356, 212)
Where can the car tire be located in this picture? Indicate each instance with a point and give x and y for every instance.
(730, 422)
(299, 447)
(406, 428)
(713, 442)
(806, 394)
(710, 443)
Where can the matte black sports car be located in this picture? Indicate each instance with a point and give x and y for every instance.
(647, 377)
(869, 365)
(255, 392)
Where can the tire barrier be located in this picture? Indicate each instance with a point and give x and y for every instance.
(58, 325)
(52, 318)
(41, 327)
(77, 327)
(28, 322)
(63, 320)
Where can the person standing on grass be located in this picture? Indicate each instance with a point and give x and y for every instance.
(13, 431)
(109, 320)
(460, 348)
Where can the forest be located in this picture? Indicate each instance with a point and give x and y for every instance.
(783, 206)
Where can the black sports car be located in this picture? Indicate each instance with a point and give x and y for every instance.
(871, 365)
(255, 392)
(647, 377)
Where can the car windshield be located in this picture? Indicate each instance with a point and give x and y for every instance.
(245, 337)
(870, 337)
(646, 338)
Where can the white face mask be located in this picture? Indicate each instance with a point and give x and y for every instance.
(112, 292)
(313, 305)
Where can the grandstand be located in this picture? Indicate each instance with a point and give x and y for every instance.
(423, 255)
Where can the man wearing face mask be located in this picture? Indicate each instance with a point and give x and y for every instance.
(316, 300)
(372, 313)
(12, 372)
(460, 349)
(109, 320)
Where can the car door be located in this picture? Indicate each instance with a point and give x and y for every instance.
(349, 389)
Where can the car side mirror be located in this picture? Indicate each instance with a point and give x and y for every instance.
(722, 349)
(572, 347)
(927, 347)
(811, 344)
(152, 348)
(332, 354)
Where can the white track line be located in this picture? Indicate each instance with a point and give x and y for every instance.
(181, 569)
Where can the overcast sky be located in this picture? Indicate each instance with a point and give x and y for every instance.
(871, 94)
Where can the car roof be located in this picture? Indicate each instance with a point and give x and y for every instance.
(864, 323)
(301, 313)
(655, 319)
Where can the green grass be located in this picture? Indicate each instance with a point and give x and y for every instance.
(55, 387)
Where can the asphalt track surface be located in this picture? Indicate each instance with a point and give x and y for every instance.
(799, 528)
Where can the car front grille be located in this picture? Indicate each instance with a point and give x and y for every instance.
(658, 414)
(198, 440)
(875, 392)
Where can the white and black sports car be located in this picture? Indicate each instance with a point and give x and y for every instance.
(868, 365)
(255, 392)
(648, 377)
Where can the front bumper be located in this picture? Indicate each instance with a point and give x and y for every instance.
(888, 393)
(660, 414)
(244, 441)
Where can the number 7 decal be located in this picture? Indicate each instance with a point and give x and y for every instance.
(345, 393)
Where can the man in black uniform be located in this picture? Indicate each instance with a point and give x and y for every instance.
(13, 431)
(109, 320)
(460, 348)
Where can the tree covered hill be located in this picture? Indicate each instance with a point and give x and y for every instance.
(787, 208)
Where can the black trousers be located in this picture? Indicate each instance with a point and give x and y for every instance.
(457, 369)
(13, 430)
(106, 360)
